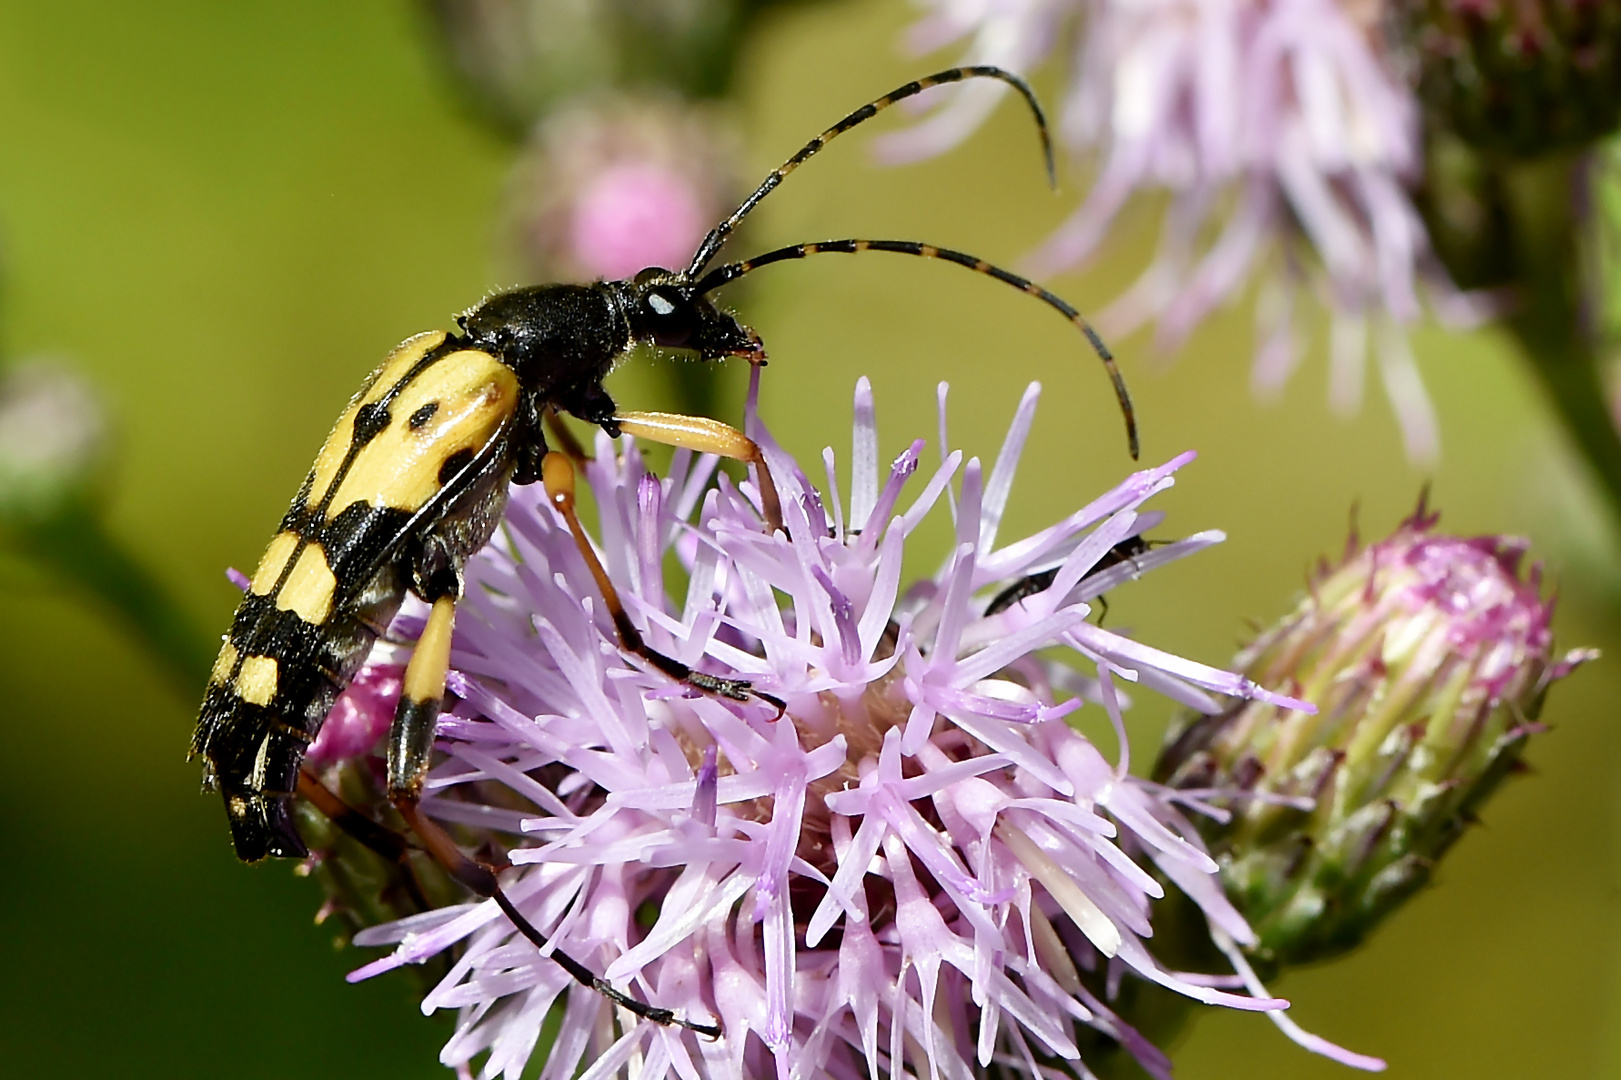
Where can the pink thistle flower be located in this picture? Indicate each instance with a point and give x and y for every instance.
(1287, 143)
(918, 865)
(610, 186)
(635, 215)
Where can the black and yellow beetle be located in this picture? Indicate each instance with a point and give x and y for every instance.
(413, 480)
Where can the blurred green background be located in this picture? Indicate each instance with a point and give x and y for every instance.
(225, 213)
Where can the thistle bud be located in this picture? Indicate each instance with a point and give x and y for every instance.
(1428, 657)
(517, 60)
(1518, 76)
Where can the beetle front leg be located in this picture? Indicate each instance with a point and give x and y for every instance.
(559, 476)
(708, 436)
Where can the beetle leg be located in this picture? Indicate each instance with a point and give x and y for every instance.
(390, 846)
(410, 743)
(410, 740)
(481, 880)
(707, 436)
(529, 441)
(592, 404)
(566, 439)
(560, 490)
(380, 839)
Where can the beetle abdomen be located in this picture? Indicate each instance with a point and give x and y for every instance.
(276, 678)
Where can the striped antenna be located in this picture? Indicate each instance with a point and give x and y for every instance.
(722, 275)
(717, 236)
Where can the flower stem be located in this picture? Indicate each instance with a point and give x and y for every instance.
(1553, 320)
(75, 545)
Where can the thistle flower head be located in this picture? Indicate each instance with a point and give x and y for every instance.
(917, 864)
(1428, 657)
(1285, 139)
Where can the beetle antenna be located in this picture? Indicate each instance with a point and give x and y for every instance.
(717, 236)
(722, 275)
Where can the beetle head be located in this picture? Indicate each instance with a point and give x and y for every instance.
(666, 309)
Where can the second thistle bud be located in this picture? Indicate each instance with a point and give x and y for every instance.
(1519, 76)
(518, 60)
(1428, 657)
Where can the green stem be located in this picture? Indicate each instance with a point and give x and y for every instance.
(76, 545)
(1552, 323)
(1523, 227)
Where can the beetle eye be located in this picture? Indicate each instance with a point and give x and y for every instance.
(668, 317)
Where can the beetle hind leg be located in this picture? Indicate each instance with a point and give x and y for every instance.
(410, 746)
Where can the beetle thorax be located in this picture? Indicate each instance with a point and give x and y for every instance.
(556, 337)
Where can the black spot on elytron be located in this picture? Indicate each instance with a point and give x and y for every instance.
(370, 420)
(454, 464)
(357, 539)
(423, 415)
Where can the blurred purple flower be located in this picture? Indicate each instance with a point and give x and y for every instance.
(54, 441)
(1285, 141)
(919, 865)
(610, 186)
(634, 216)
